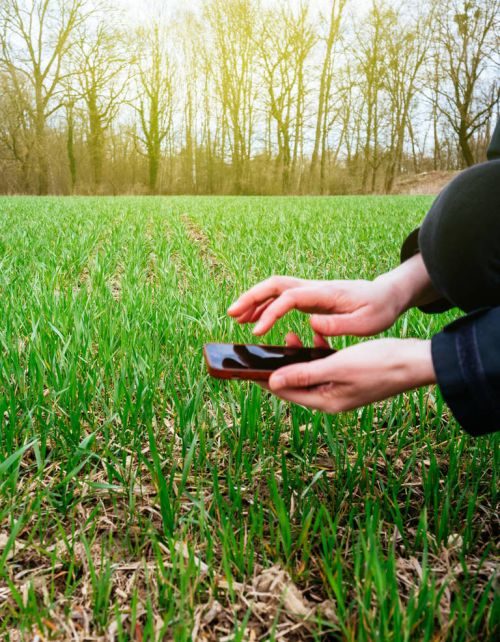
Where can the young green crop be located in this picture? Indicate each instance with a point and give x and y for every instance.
(141, 499)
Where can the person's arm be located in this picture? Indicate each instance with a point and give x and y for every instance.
(411, 284)
(464, 359)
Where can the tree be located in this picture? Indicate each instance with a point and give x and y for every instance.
(325, 87)
(155, 102)
(285, 41)
(406, 46)
(194, 56)
(467, 36)
(233, 24)
(102, 72)
(243, 96)
(36, 38)
(16, 126)
(370, 52)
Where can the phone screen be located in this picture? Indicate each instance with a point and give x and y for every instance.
(229, 356)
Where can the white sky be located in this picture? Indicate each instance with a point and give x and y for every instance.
(139, 10)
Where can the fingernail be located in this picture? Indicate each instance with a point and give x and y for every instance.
(258, 328)
(232, 307)
(278, 381)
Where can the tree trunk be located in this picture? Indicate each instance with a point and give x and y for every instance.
(154, 164)
(42, 170)
(463, 141)
(70, 146)
(325, 81)
(364, 179)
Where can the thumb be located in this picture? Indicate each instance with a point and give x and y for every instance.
(302, 375)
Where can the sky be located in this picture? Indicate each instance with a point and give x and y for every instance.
(138, 10)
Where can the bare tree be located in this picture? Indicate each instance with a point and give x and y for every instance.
(155, 101)
(285, 40)
(103, 64)
(194, 58)
(244, 96)
(16, 126)
(406, 47)
(232, 24)
(35, 39)
(325, 87)
(371, 57)
(467, 36)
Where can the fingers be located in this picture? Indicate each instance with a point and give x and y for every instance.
(277, 309)
(320, 342)
(306, 299)
(303, 375)
(333, 325)
(293, 341)
(253, 313)
(247, 315)
(261, 292)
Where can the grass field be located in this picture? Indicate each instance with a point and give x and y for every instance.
(141, 500)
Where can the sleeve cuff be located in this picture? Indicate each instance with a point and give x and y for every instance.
(409, 248)
(460, 375)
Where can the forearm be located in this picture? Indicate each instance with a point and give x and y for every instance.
(416, 363)
(410, 284)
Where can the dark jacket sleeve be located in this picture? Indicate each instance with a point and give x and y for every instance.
(409, 248)
(466, 357)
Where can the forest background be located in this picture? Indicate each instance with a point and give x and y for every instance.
(243, 96)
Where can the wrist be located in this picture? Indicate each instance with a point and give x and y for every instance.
(409, 284)
(416, 363)
(397, 295)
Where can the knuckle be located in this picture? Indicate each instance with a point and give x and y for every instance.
(326, 389)
(328, 324)
(287, 298)
(274, 284)
(302, 379)
(283, 282)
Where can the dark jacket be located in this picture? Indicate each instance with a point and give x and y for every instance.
(459, 240)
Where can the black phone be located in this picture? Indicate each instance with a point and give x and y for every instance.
(255, 362)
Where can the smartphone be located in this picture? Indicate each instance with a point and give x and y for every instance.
(255, 362)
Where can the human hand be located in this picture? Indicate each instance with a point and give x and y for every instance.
(355, 376)
(358, 308)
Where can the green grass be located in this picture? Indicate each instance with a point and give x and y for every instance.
(140, 499)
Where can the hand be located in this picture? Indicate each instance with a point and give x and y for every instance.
(356, 376)
(358, 308)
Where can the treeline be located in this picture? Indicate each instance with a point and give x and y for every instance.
(243, 96)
